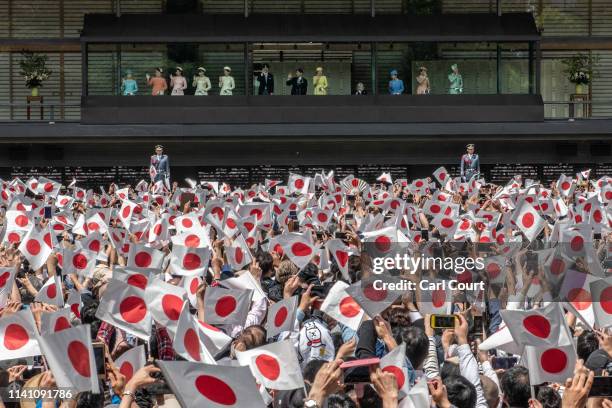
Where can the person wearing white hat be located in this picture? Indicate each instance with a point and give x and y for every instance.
(319, 82)
(178, 83)
(201, 82)
(456, 81)
(158, 82)
(226, 82)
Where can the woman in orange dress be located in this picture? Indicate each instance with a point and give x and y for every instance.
(158, 82)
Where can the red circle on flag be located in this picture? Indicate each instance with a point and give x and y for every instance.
(447, 222)
(257, 213)
(143, 259)
(348, 307)
(157, 230)
(225, 306)
(565, 185)
(127, 369)
(218, 211)
(493, 270)
(342, 257)
(322, 217)
(138, 280)
(300, 249)
(125, 213)
(230, 223)
(606, 300)
(94, 245)
(33, 246)
(192, 344)
(579, 298)
(298, 183)
(14, 237)
(553, 360)
(75, 309)
(133, 309)
(15, 337)
(527, 220)
(557, 266)
(172, 305)
(4, 278)
(215, 390)
(438, 297)
(435, 208)
(191, 261)
(48, 187)
(383, 243)
(61, 324)
(281, 316)
(398, 373)
(93, 226)
(79, 261)
(21, 220)
(52, 291)
(187, 223)
(238, 255)
(375, 295)
(537, 325)
(577, 243)
(79, 357)
(249, 226)
(47, 239)
(268, 366)
(419, 184)
(192, 241)
(193, 286)
(465, 224)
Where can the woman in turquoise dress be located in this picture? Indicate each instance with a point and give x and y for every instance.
(455, 80)
(396, 85)
(129, 86)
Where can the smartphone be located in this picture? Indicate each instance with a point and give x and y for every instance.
(597, 235)
(99, 357)
(440, 321)
(340, 235)
(48, 213)
(503, 363)
(410, 199)
(293, 215)
(350, 197)
(159, 387)
(602, 387)
(349, 217)
(425, 235)
(532, 261)
(319, 234)
(31, 371)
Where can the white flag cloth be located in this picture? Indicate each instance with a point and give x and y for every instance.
(7, 279)
(187, 342)
(550, 363)
(340, 306)
(188, 261)
(281, 316)
(51, 292)
(535, 327)
(79, 261)
(341, 254)
(238, 254)
(139, 278)
(36, 247)
(226, 306)
(124, 307)
(299, 249)
(274, 365)
(215, 340)
(165, 302)
(198, 385)
(394, 362)
(53, 322)
(601, 292)
(529, 221)
(373, 301)
(436, 299)
(70, 357)
(143, 257)
(131, 361)
(18, 336)
(74, 302)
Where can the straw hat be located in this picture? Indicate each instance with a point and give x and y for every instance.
(202, 69)
(226, 68)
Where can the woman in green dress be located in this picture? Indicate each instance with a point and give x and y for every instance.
(456, 81)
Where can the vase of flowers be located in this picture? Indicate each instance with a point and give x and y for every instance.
(579, 70)
(34, 70)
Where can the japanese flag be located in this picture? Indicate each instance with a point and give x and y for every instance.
(187, 342)
(18, 336)
(495, 268)
(192, 239)
(191, 285)
(550, 363)
(70, 356)
(36, 247)
(124, 307)
(441, 174)
(79, 261)
(226, 306)
(215, 340)
(53, 322)
(238, 253)
(51, 292)
(274, 365)
(165, 302)
(436, 299)
(281, 316)
(74, 302)
(341, 254)
(160, 230)
(340, 306)
(298, 184)
(198, 385)
(394, 362)
(535, 327)
(601, 291)
(131, 361)
(385, 178)
(299, 249)
(528, 220)
(566, 186)
(138, 278)
(7, 279)
(143, 257)
(95, 223)
(187, 261)
(126, 212)
(373, 301)
(48, 187)
(18, 221)
(230, 223)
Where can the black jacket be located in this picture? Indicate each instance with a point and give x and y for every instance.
(266, 85)
(298, 88)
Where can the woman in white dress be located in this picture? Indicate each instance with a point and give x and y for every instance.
(201, 82)
(226, 82)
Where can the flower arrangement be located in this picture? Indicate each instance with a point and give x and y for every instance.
(579, 69)
(33, 69)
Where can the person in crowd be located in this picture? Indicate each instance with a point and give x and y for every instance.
(455, 81)
(422, 79)
(470, 164)
(157, 83)
(265, 80)
(360, 89)
(319, 82)
(298, 84)
(396, 85)
(178, 83)
(226, 82)
(251, 303)
(129, 86)
(201, 82)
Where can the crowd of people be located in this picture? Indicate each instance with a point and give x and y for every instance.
(210, 295)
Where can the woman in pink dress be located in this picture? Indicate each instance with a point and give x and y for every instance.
(178, 83)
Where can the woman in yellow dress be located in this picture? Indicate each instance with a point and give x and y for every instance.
(319, 82)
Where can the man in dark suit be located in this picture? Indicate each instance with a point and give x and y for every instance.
(299, 84)
(360, 89)
(266, 81)
(161, 165)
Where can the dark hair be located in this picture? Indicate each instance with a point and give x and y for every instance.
(89, 400)
(417, 343)
(300, 70)
(449, 369)
(586, 344)
(311, 369)
(265, 263)
(515, 386)
(461, 392)
(549, 398)
(340, 401)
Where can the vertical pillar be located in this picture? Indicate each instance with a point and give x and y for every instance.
(538, 67)
(498, 67)
(373, 52)
(247, 69)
